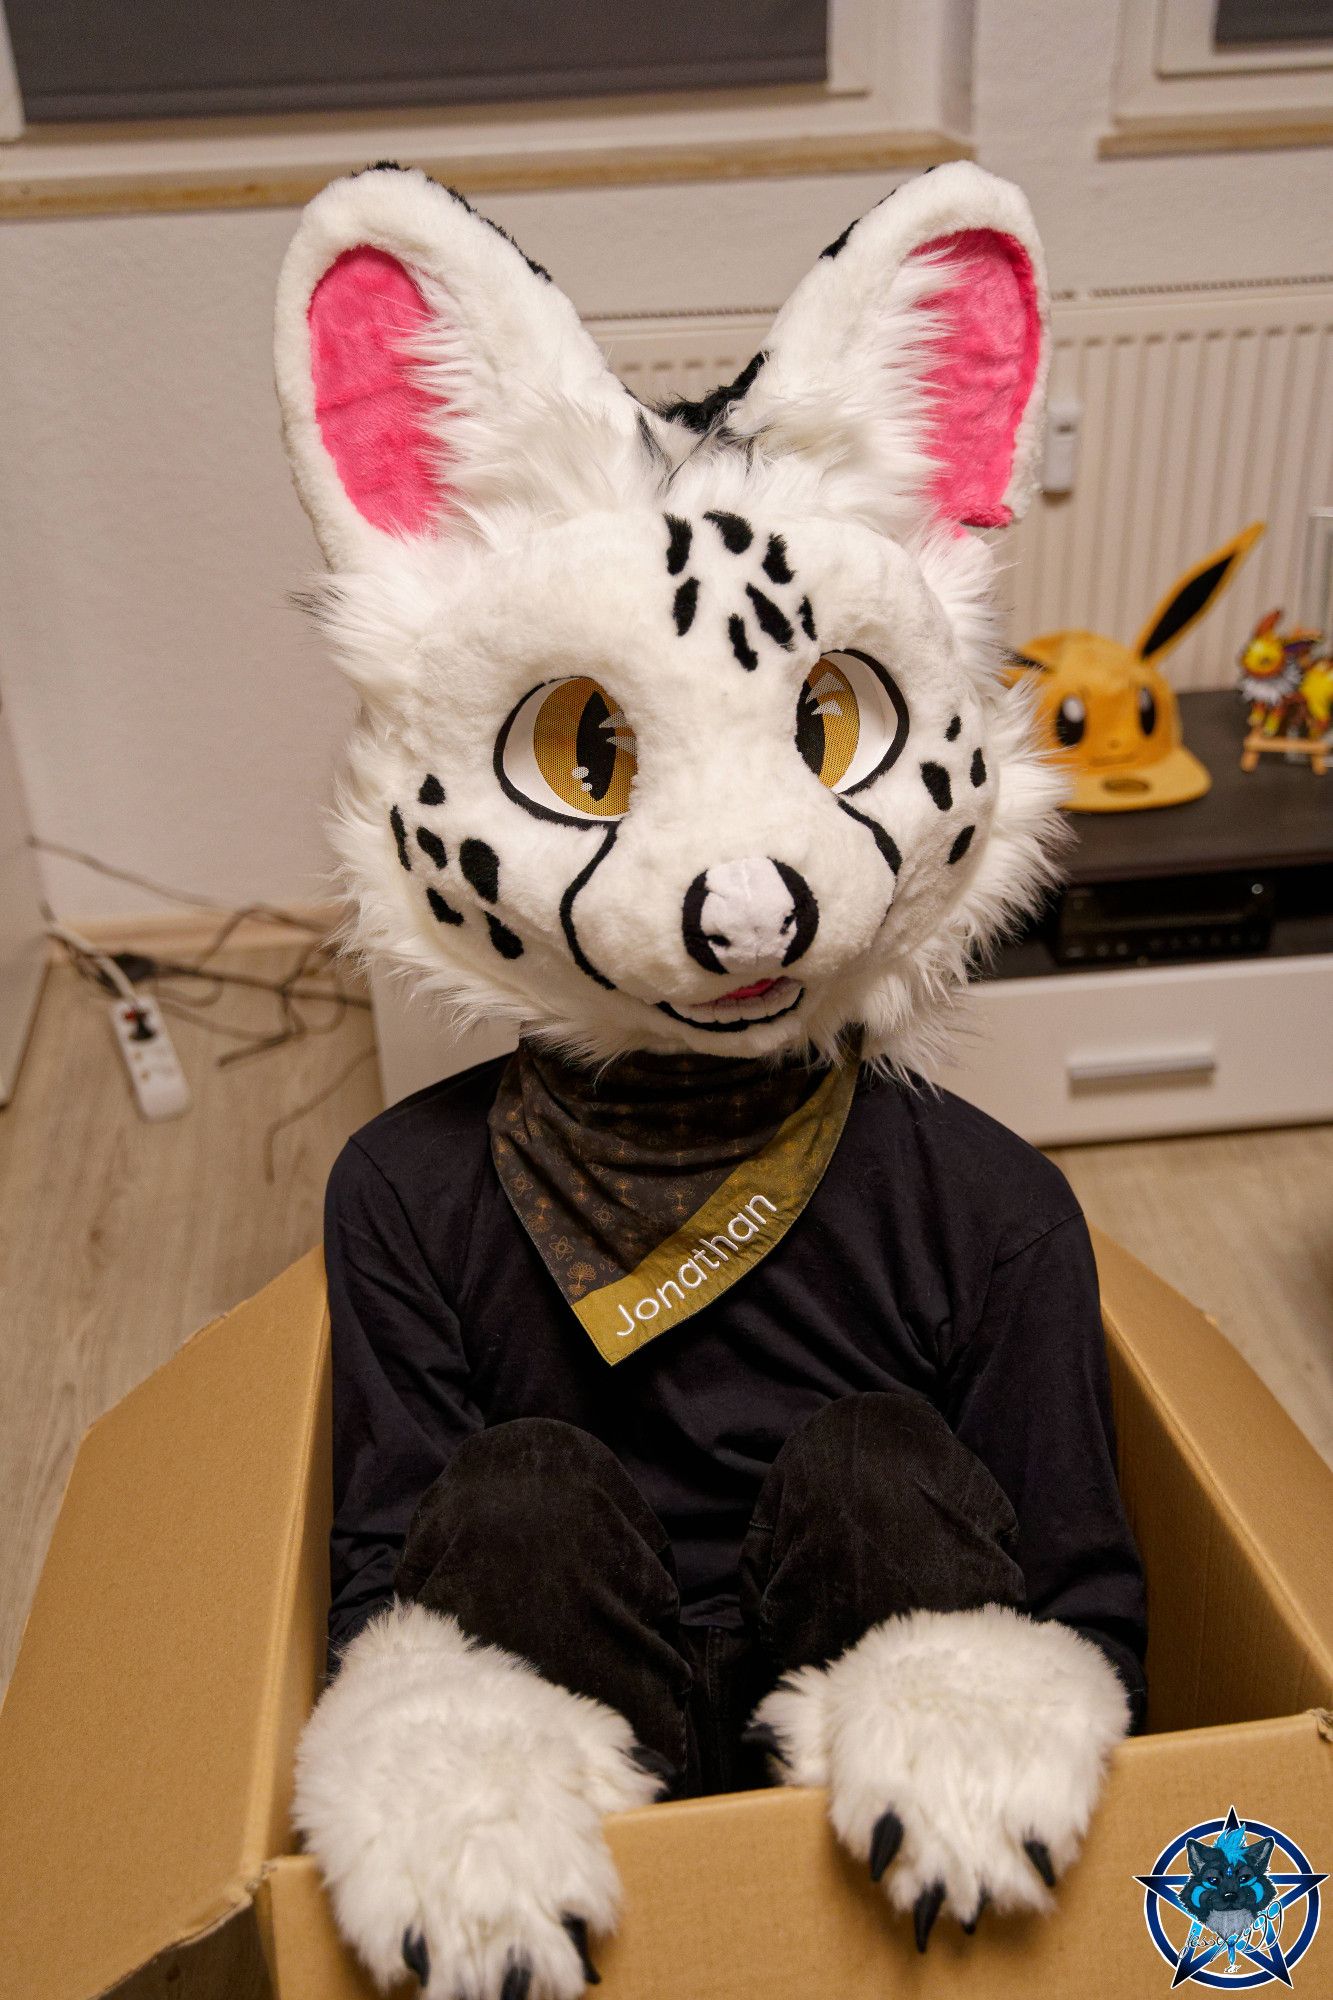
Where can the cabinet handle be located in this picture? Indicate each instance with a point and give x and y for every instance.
(1166, 1066)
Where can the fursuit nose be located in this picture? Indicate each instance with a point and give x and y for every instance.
(749, 918)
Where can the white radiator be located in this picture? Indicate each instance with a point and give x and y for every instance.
(1202, 409)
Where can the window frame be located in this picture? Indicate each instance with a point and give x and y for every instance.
(897, 95)
(1175, 92)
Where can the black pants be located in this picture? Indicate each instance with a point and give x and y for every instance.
(536, 1539)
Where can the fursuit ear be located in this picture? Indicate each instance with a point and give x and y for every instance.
(912, 359)
(425, 367)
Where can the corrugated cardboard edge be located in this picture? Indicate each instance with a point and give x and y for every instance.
(749, 1897)
(1267, 1492)
(285, 1683)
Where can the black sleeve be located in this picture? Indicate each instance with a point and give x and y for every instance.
(1030, 1395)
(400, 1386)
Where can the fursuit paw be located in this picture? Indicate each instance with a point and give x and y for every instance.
(963, 1753)
(454, 1802)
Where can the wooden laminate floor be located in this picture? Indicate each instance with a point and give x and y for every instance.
(118, 1238)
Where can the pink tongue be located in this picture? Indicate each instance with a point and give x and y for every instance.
(751, 992)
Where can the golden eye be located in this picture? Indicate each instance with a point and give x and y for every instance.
(568, 751)
(851, 720)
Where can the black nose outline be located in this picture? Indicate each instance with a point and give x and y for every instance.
(802, 919)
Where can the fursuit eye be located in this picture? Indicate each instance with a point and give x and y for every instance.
(1147, 711)
(1071, 719)
(567, 752)
(851, 720)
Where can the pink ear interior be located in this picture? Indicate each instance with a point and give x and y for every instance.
(373, 416)
(988, 363)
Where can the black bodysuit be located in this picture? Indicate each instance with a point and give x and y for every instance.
(939, 1254)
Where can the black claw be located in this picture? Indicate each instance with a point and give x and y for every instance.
(415, 1956)
(975, 1917)
(924, 1912)
(577, 1928)
(885, 1841)
(517, 1980)
(656, 1765)
(763, 1736)
(1039, 1854)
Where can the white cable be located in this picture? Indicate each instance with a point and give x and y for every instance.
(106, 966)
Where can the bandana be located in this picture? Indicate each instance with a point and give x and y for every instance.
(650, 1185)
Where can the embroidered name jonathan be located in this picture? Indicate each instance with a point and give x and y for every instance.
(692, 1274)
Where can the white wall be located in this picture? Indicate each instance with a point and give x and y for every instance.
(170, 712)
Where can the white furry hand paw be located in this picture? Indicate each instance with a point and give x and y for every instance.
(963, 1752)
(453, 1800)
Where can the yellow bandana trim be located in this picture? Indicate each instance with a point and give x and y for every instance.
(734, 1229)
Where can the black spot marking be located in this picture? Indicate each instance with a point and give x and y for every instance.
(735, 530)
(400, 837)
(685, 604)
(978, 771)
(961, 845)
(776, 566)
(708, 412)
(481, 867)
(951, 733)
(678, 547)
(432, 846)
(443, 913)
(740, 643)
(771, 620)
(807, 618)
(884, 840)
(505, 941)
(839, 243)
(431, 793)
(936, 781)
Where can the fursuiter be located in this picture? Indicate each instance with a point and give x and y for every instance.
(716, 1403)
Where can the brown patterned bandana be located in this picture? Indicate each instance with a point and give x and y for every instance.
(651, 1184)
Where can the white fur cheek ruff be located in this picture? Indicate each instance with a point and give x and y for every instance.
(448, 1792)
(979, 1729)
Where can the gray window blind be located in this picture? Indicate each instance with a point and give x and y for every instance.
(110, 59)
(1253, 23)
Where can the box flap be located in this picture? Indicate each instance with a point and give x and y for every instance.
(1231, 1505)
(170, 1655)
(750, 1895)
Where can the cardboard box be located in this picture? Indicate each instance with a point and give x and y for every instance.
(176, 1640)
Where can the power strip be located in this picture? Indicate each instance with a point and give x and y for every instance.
(156, 1077)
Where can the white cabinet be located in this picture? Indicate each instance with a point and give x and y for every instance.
(22, 931)
(1120, 1055)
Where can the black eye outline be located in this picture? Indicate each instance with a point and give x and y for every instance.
(1146, 699)
(511, 790)
(1071, 729)
(897, 702)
